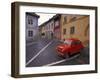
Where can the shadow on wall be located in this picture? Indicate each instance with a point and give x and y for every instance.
(86, 43)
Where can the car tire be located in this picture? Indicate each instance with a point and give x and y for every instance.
(67, 55)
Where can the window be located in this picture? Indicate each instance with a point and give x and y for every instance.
(30, 33)
(64, 31)
(72, 30)
(30, 21)
(52, 25)
(57, 23)
(49, 27)
(65, 20)
(76, 43)
(67, 42)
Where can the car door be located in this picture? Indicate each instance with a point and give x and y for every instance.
(73, 47)
(78, 43)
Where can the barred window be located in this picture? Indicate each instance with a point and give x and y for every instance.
(72, 30)
(64, 31)
(30, 21)
(65, 20)
(30, 33)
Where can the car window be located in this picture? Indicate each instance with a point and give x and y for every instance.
(76, 43)
(67, 42)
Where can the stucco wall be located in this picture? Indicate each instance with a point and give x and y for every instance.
(33, 27)
(80, 33)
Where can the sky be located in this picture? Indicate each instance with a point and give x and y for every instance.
(44, 17)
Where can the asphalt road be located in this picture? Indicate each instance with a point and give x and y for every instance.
(43, 53)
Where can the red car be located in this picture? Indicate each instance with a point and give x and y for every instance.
(70, 46)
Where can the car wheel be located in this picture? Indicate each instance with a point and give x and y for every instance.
(68, 55)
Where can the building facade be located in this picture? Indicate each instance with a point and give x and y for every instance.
(75, 26)
(64, 26)
(32, 29)
(57, 26)
(47, 29)
(51, 28)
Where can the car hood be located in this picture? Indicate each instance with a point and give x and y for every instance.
(62, 46)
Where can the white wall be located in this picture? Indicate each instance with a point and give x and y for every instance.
(31, 27)
(5, 40)
(35, 22)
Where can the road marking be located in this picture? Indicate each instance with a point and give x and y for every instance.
(34, 57)
(28, 44)
(57, 62)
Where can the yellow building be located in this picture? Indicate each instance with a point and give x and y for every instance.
(75, 26)
(64, 26)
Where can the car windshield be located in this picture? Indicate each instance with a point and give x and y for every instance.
(67, 42)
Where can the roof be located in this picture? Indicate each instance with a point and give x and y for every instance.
(54, 17)
(32, 14)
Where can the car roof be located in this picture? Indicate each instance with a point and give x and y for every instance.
(72, 39)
